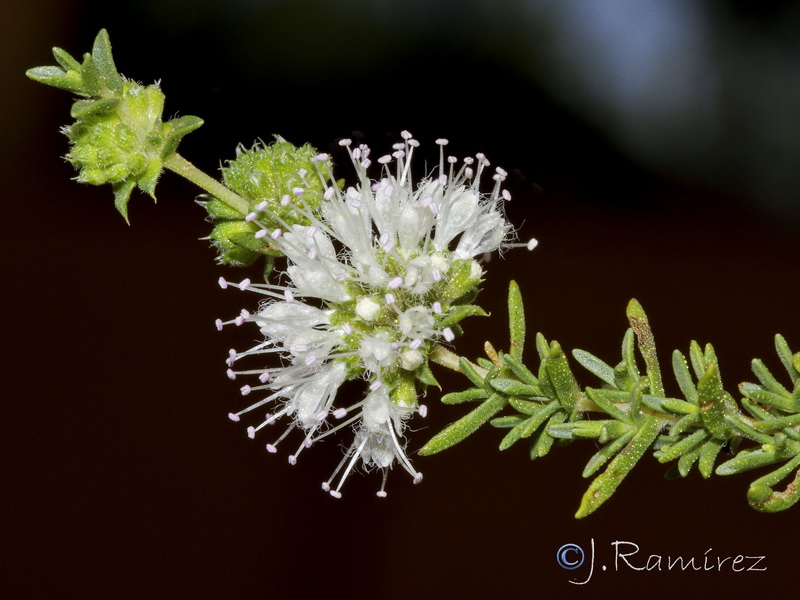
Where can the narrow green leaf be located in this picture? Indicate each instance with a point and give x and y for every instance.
(685, 424)
(629, 355)
(512, 387)
(527, 407)
(782, 349)
(596, 366)
(755, 392)
(708, 454)
(605, 484)
(647, 345)
(175, 130)
(508, 421)
(465, 426)
(697, 359)
(605, 453)
(686, 461)
(683, 377)
(778, 423)
(749, 459)
(712, 398)
(566, 388)
(687, 444)
(679, 406)
(528, 426)
(104, 63)
(543, 441)
(470, 395)
(764, 499)
(520, 370)
(57, 78)
(516, 320)
(607, 401)
(542, 347)
(768, 380)
(736, 422)
(468, 369)
(66, 60)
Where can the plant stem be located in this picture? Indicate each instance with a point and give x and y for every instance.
(177, 164)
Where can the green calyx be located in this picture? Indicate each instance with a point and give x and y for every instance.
(275, 181)
(118, 136)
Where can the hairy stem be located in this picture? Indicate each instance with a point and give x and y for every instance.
(177, 164)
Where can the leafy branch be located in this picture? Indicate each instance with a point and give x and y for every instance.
(548, 407)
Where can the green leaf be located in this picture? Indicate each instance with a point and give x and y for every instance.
(512, 387)
(683, 377)
(755, 392)
(470, 395)
(520, 370)
(708, 454)
(764, 499)
(712, 398)
(606, 452)
(528, 426)
(596, 366)
(564, 384)
(516, 320)
(57, 78)
(607, 400)
(605, 484)
(176, 129)
(687, 444)
(104, 63)
(468, 369)
(647, 346)
(465, 426)
(543, 441)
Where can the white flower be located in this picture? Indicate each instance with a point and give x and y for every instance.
(374, 281)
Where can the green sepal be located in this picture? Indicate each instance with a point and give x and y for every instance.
(122, 194)
(82, 109)
(425, 376)
(465, 426)
(605, 484)
(217, 209)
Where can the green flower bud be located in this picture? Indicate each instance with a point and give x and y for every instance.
(275, 180)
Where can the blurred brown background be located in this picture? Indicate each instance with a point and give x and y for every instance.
(653, 152)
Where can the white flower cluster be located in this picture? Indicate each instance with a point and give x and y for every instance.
(383, 272)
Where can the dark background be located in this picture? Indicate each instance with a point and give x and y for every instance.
(661, 175)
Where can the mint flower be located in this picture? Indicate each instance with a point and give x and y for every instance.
(379, 274)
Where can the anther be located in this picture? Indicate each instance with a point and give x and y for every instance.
(222, 283)
(233, 417)
(245, 283)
